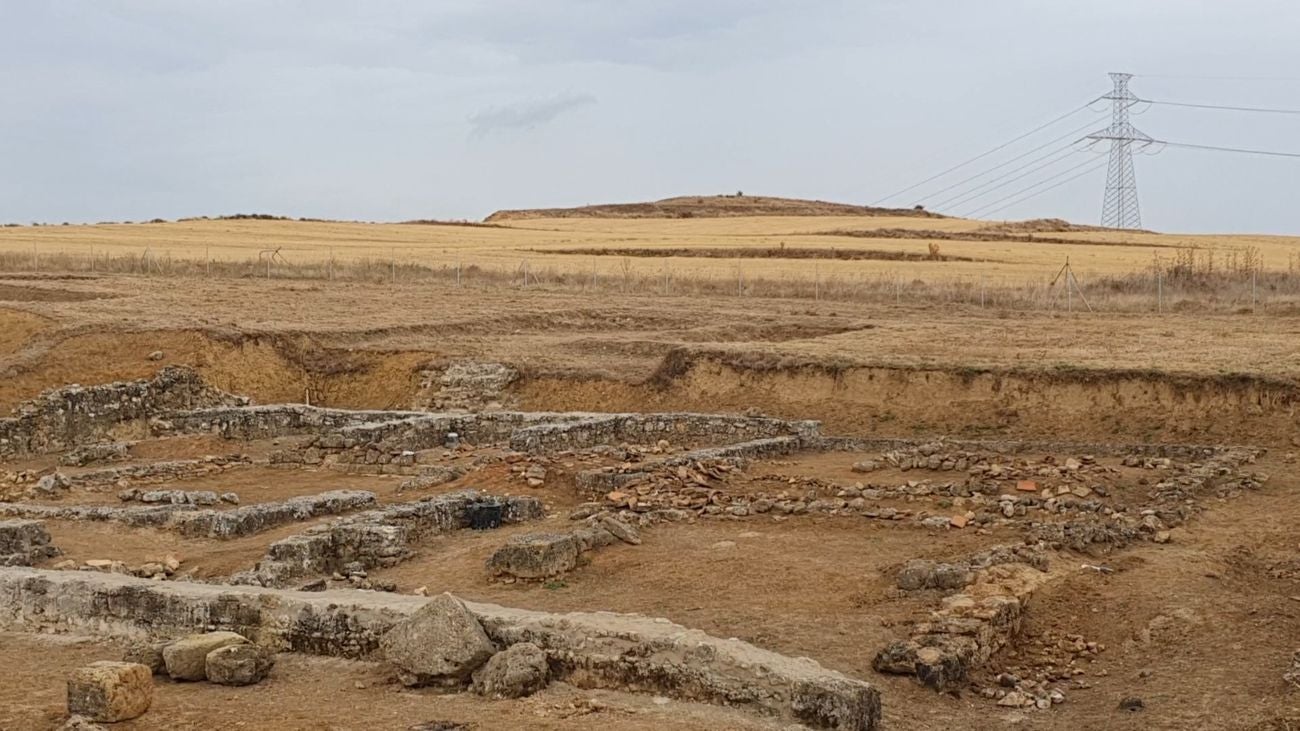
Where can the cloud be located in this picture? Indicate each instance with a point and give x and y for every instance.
(525, 114)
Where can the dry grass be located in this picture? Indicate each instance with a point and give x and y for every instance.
(1118, 270)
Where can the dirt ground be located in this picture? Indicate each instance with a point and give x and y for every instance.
(1197, 628)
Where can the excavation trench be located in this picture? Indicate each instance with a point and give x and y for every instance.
(852, 399)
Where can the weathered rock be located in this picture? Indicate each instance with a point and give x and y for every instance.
(53, 483)
(186, 658)
(109, 692)
(431, 477)
(921, 574)
(620, 530)
(24, 542)
(102, 452)
(238, 664)
(535, 556)
(148, 654)
(441, 643)
(515, 672)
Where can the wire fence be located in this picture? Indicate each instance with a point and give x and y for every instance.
(1192, 280)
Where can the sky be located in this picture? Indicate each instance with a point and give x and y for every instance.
(400, 109)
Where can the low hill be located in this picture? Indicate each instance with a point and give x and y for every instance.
(711, 206)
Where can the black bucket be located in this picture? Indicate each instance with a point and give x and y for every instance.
(486, 515)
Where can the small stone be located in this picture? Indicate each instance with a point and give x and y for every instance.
(81, 723)
(958, 521)
(230, 497)
(723, 545)
(1131, 703)
(1014, 699)
(1027, 486)
(109, 692)
(421, 591)
(156, 355)
(1162, 536)
(239, 664)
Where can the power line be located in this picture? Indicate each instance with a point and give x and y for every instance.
(1037, 193)
(1219, 78)
(967, 197)
(983, 155)
(1022, 155)
(1029, 187)
(1219, 106)
(1271, 153)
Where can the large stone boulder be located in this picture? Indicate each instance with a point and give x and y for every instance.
(441, 643)
(239, 664)
(109, 691)
(535, 556)
(515, 672)
(187, 658)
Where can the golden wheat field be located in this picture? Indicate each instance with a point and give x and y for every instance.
(599, 244)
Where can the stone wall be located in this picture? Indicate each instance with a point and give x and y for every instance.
(189, 520)
(588, 649)
(709, 429)
(376, 538)
(1017, 446)
(268, 422)
(250, 519)
(64, 418)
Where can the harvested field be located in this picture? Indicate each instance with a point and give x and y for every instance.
(780, 252)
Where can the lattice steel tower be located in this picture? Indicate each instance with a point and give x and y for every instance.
(1120, 209)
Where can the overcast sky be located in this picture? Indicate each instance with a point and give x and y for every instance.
(399, 109)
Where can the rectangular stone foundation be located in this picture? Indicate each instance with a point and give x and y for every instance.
(590, 649)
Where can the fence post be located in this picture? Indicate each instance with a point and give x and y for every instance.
(1254, 300)
(458, 272)
(1160, 292)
